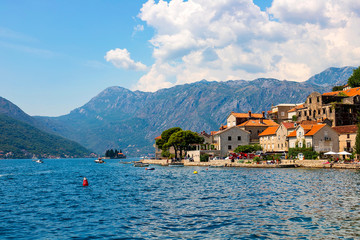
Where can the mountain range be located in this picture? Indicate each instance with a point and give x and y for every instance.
(130, 120)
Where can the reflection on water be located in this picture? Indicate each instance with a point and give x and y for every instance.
(48, 201)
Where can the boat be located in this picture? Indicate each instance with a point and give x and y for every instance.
(176, 164)
(141, 164)
(39, 161)
(151, 168)
(99, 160)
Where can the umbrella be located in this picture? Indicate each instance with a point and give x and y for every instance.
(344, 153)
(330, 153)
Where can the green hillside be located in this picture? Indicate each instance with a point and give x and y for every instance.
(20, 140)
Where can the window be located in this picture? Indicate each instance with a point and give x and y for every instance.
(330, 110)
(308, 144)
(304, 113)
(318, 99)
(299, 114)
(229, 138)
(229, 147)
(348, 135)
(324, 111)
(309, 100)
(319, 111)
(300, 144)
(282, 114)
(239, 138)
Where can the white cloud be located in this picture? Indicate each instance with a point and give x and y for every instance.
(120, 58)
(233, 39)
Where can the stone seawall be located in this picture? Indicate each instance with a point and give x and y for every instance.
(284, 164)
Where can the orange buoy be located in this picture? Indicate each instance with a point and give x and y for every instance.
(85, 182)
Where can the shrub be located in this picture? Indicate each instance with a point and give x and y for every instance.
(204, 157)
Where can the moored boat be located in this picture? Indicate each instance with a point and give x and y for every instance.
(141, 164)
(176, 164)
(99, 160)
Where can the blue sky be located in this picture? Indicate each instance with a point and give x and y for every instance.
(56, 55)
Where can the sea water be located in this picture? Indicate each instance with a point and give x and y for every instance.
(48, 201)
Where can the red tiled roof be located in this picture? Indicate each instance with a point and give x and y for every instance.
(350, 92)
(309, 130)
(292, 134)
(346, 129)
(159, 137)
(258, 122)
(314, 129)
(288, 125)
(246, 115)
(269, 131)
(296, 108)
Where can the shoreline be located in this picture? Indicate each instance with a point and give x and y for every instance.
(285, 164)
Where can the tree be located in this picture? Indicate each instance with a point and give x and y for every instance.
(354, 79)
(357, 140)
(248, 148)
(162, 143)
(180, 140)
(337, 88)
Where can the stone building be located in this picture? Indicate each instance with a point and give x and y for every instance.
(279, 113)
(235, 119)
(255, 127)
(347, 137)
(321, 137)
(227, 140)
(340, 107)
(282, 132)
(267, 139)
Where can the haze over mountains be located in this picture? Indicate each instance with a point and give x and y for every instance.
(130, 120)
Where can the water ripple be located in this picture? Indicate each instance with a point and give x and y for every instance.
(47, 201)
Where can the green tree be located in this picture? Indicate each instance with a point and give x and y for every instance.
(162, 143)
(181, 140)
(354, 80)
(357, 140)
(248, 148)
(337, 88)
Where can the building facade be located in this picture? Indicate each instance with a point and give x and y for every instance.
(347, 137)
(227, 140)
(320, 137)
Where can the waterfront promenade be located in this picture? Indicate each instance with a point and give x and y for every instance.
(283, 164)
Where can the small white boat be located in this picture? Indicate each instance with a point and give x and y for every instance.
(39, 161)
(99, 160)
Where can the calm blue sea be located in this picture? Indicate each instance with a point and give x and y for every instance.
(48, 201)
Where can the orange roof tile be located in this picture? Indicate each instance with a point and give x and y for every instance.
(346, 129)
(292, 134)
(288, 125)
(269, 131)
(296, 108)
(309, 130)
(315, 129)
(246, 115)
(350, 92)
(258, 122)
(159, 137)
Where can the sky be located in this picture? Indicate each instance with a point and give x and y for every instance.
(57, 55)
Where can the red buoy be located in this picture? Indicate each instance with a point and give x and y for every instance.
(85, 182)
